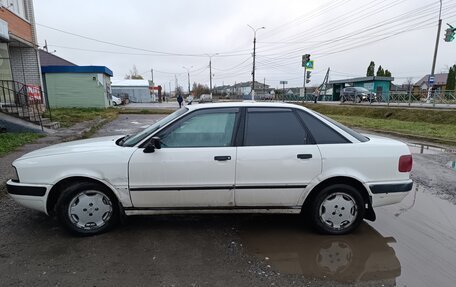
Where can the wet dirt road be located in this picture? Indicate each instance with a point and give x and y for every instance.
(411, 244)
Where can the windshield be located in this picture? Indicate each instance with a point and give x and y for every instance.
(132, 140)
(362, 90)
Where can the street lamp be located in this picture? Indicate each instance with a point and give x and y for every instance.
(210, 71)
(188, 74)
(254, 50)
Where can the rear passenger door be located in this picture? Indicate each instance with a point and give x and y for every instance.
(276, 160)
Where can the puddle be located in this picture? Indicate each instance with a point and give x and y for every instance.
(451, 165)
(291, 249)
(412, 243)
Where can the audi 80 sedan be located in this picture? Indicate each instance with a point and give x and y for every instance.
(218, 158)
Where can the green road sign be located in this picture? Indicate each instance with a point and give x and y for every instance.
(310, 65)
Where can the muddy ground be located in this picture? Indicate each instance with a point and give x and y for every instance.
(410, 244)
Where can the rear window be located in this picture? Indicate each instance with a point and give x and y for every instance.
(321, 132)
(349, 131)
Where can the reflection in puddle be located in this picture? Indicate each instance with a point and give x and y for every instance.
(424, 227)
(362, 256)
(451, 165)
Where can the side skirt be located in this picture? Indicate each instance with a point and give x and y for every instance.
(212, 210)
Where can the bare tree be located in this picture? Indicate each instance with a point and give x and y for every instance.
(134, 74)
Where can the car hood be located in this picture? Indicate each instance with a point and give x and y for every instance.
(79, 146)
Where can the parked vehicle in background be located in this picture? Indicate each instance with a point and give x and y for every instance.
(357, 95)
(116, 101)
(205, 98)
(245, 157)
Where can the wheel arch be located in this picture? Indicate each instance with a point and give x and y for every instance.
(369, 213)
(55, 191)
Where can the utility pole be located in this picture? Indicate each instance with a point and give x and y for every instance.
(435, 53)
(210, 71)
(188, 75)
(254, 53)
(46, 46)
(152, 73)
(304, 84)
(169, 90)
(210, 75)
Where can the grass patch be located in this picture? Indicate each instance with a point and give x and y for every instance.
(431, 125)
(433, 116)
(11, 141)
(435, 132)
(70, 116)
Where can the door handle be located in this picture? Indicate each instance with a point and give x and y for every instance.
(222, 157)
(304, 156)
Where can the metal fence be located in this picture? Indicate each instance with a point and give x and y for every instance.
(22, 101)
(422, 97)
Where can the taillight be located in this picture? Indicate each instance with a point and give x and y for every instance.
(405, 163)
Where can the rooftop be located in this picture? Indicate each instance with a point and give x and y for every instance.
(76, 69)
(48, 59)
(362, 79)
(440, 79)
(129, 83)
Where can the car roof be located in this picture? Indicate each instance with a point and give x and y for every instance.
(243, 104)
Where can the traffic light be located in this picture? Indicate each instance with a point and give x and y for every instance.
(305, 59)
(308, 76)
(450, 33)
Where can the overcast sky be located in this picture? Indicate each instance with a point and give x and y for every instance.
(343, 35)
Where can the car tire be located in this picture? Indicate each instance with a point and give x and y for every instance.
(358, 99)
(337, 209)
(114, 104)
(87, 208)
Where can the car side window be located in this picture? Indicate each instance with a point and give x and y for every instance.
(270, 126)
(204, 129)
(322, 133)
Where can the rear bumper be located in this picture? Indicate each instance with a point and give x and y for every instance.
(31, 196)
(391, 187)
(385, 193)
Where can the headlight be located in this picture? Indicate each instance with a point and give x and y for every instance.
(16, 176)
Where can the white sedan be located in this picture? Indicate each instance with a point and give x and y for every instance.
(218, 158)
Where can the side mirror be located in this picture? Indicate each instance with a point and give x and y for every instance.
(152, 145)
(156, 141)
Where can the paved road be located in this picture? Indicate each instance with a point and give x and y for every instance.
(410, 244)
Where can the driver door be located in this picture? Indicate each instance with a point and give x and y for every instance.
(195, 166)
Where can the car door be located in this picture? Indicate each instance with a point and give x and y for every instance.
(195, 166)
(276, 161)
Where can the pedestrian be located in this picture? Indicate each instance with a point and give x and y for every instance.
(180, 100)
(316, 93)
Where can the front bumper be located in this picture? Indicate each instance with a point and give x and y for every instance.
(31, 196)
(384, 193)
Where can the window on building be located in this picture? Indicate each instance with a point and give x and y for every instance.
(5, 65)
(15, 6)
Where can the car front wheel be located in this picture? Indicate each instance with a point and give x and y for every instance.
(337, 209)
(87, 209)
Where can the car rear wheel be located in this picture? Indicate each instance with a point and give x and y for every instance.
(87, 209)
(337, 209)
(358, 99)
